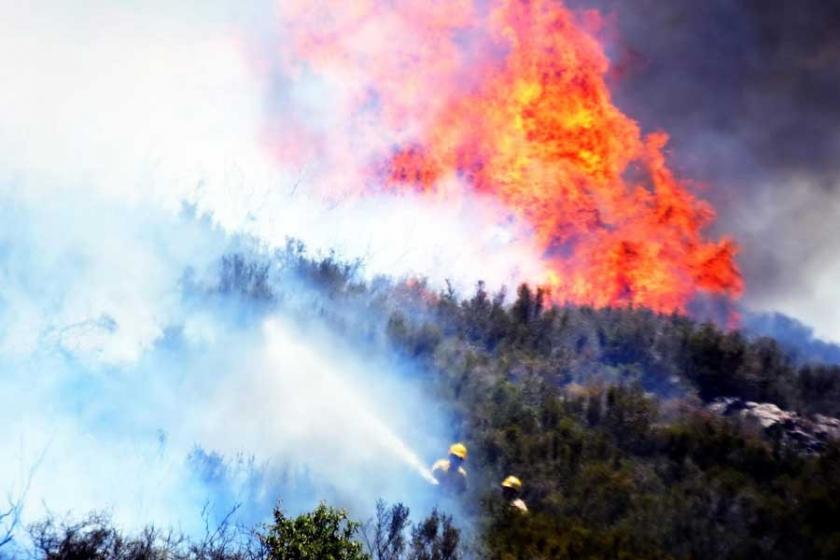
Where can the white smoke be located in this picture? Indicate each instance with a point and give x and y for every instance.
(124, 374)
(128, 389)
(165, 105)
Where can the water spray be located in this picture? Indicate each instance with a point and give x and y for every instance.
(318, 370)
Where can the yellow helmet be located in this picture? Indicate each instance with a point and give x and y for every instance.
(459, 450)
(513, 483)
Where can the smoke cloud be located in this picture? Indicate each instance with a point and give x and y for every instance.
(748, 91)
(135, 386)
(130, 164)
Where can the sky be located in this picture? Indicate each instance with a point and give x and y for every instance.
(133, 151)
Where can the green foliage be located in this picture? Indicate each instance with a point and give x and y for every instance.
(323, 534)
(543, 537)
(570, 400)
(669, 355)
(434, 538)
(599, 411)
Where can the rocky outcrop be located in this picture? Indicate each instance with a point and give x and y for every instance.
(827, 426)
(805, 434)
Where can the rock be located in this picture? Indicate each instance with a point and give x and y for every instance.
(805, 435)
(722, 405)
(827, 426)
(767, 414)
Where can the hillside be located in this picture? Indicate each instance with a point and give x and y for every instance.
(604, 413)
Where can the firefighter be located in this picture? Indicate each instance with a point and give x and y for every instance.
(511, 487)
(450, 472)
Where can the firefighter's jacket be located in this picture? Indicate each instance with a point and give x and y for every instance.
(451, 479)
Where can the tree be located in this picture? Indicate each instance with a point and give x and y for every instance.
(10, 518)
(387, 539)
(9, 521)
(324, 534)
(434, 538)
(95, 537)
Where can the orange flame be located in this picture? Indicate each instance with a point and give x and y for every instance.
(542, 134)
(533, 125)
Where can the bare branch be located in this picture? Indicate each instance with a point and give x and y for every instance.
(10, 519)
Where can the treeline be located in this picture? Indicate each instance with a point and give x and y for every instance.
(326, 533)
(669, 355)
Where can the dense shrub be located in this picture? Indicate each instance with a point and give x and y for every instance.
(600, 411)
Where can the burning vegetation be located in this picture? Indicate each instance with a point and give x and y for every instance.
(510, 100)
(540, 133)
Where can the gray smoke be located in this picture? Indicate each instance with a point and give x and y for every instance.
(750, 92)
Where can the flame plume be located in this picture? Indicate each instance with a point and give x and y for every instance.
(511, 99)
